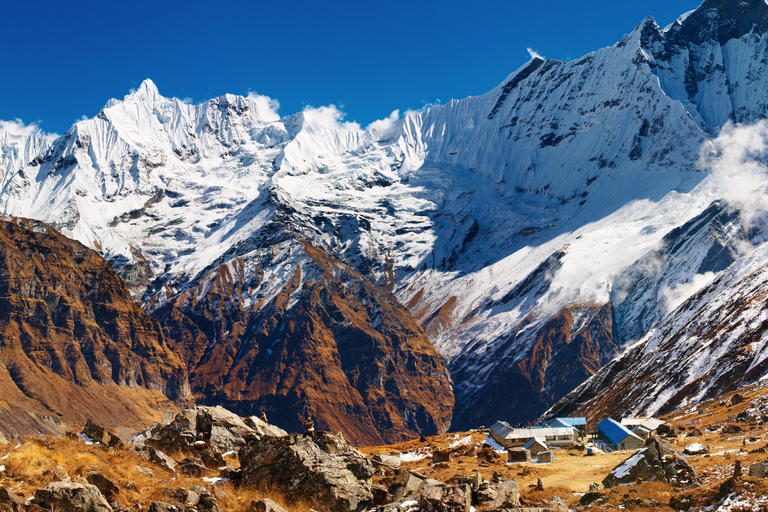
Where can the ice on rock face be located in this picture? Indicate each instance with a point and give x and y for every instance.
(491, 212)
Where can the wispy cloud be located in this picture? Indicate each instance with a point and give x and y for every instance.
(534, 54)
(18, 128)
(737, 159)
(266, 107)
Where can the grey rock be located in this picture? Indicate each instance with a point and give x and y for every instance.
(104, 484)
(71, 497)
(701, 449)
(161, 506)
(441, 456)
(101, 435)
(435, 496)
(392, 461)
(183, 497)
(161, 459)
(316, 466)
(213, 429)
(656, 462)
(207, 502)
(9, 501)
(263, 428)
(498, 495)
(265, 505)
(145, 471)
(192, 466)
(759, 470)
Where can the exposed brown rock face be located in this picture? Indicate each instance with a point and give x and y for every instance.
(72, 343)
(569, 348)
(330, 345)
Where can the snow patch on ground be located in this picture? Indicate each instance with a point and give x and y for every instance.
(627, 466)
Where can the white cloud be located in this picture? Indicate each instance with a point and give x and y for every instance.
(424, 106)
(18, 128)
(331, 118)
(266, 107)
(534, 54)
(674, 297)
(737, 159)
(386, 124)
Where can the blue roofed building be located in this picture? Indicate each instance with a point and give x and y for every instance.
(578, 423)
(617, 436)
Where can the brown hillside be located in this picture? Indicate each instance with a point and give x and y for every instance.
(72, 343)
(345, 352)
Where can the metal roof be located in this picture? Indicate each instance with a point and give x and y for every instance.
(648, 423)
(615, 432)
(501, 428)
(527, 433)
(573, 422)
(533, 440)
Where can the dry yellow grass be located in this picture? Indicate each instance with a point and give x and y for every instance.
(38, 462)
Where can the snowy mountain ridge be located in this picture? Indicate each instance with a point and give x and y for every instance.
(488, 216)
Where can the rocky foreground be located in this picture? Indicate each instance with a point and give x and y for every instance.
(208, 459)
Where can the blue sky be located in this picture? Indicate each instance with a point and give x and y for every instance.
(63, 60)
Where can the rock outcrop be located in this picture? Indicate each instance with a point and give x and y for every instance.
(315, 466)
(657, 461)
(71, 497)
(210, 430)
(73, 344)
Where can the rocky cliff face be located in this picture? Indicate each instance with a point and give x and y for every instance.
(72, 342)
(330, 345)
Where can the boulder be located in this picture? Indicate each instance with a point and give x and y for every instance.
(696, 449)
(214, 429)
(9, 501)
(71, 497)
(207, 501)
(392, 461)
(696, 433)
(265, 505)
(591, 497)
(161, 459)
(230, 473)
(192, 466)
(99, 434)
(161, 506)
(144, 471)
(212, 459)
(406, 485)
(665, 430)
(182, 497)
(759, 470)
(488, 454)
(498, 495)
(737, 399)
(518, 455)
(732, 429)
(316, 466)
(435, 496)
(441, 456)
(106, 486)
(657, 461)
(263, 428)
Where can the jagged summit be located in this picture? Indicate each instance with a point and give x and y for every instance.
(147, 91)
(722, 21)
